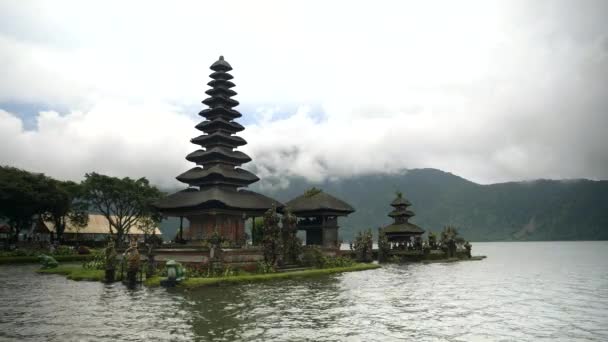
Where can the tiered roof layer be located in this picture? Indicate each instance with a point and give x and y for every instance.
(215, 180)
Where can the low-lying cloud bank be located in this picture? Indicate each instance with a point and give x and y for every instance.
(492, 91)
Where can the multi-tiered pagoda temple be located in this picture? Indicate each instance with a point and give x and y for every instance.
(401, 230)
(214, 201)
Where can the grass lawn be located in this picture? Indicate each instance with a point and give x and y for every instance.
(254, 278)
(75, 272)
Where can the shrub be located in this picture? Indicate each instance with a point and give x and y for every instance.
(199, 270)
(313, 257)
(363, 246)
(264, 267)
(97, 263)
(64, 250)
(21, 252)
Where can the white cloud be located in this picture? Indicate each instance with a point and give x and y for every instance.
(116, 139)
(489, 90)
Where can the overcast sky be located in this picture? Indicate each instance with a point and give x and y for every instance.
(489, 90)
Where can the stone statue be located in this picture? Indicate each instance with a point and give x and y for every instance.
(110, 261)
(132, 258)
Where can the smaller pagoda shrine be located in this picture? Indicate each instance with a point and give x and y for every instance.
(317, 214)
(401, 232)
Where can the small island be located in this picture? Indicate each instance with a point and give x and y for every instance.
(215, 248)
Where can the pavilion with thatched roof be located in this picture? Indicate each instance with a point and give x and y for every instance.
(317, 214)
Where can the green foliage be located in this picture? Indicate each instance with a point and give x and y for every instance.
(292, 245)
(148, 225)
(216, 239)
(20, 252)
(537, 210)
(254, 278)
(272, 242)
(236, 277)
(363, 246)
(338, 262)
(123, 201)
(67, 206)
(23, 196)
(64, 250)
(313, 257)
(110, 256)
(263, 267)
(199, 270)
(102, 259)
(47, 261)
(98, 261)
(312, 191)
(61, 250)
(384, 247)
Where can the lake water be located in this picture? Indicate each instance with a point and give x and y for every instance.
(529, 291)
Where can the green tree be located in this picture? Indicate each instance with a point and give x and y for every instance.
(123, 201)
(148, 226)
(363, 246)
(64, 205)
(23, 197)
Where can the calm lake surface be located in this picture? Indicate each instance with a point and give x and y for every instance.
(529, 291)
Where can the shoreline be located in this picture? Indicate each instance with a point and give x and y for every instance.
(16, 260)
(77, 273)
(436, 261)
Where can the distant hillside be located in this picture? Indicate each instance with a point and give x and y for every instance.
(538, 210)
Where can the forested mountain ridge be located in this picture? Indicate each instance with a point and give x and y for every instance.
(534, 210)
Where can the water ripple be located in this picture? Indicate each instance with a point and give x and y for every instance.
(522, 292)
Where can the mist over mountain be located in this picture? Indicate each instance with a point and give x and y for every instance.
(534, 210)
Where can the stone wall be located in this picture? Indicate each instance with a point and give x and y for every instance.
(245, 258)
